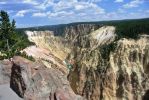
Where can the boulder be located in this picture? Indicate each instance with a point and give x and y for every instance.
(34, 81)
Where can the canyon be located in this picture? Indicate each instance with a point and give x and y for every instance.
(87, 62)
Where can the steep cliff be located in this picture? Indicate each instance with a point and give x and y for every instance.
(114, 70)
(56, 45)
(49, 49)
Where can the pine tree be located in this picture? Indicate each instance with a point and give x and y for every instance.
(11, 41)
(5, 30)
(7, 33)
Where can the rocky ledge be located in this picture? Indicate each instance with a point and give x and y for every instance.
(34, 81)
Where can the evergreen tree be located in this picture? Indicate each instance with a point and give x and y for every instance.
(5, 30)
(7, 33)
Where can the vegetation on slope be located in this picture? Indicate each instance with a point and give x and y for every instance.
(11, 41)
(124, 28)
(131, 28)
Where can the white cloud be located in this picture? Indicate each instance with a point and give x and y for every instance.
(119, 1)
(45, 4)
(64, 5)
(3, 2)
(21, 13)
(33, 2)
(120, 10)
(77, 6)
(65, 11)
(62, 8)
(60, 14)
(133, 3)
(39, 14)
(84, 5)
(91, 1)
(50, 14)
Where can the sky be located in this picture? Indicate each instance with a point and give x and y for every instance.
(28, 13)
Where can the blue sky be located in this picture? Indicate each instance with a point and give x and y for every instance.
(49, 12)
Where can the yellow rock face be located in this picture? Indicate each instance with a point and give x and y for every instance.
(45, 39)
(48, 48)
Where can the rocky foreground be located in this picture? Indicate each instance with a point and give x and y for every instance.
(34, 81)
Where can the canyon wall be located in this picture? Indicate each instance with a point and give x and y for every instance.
(102, 67)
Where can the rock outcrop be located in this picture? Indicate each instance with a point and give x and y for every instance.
(34, 81)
